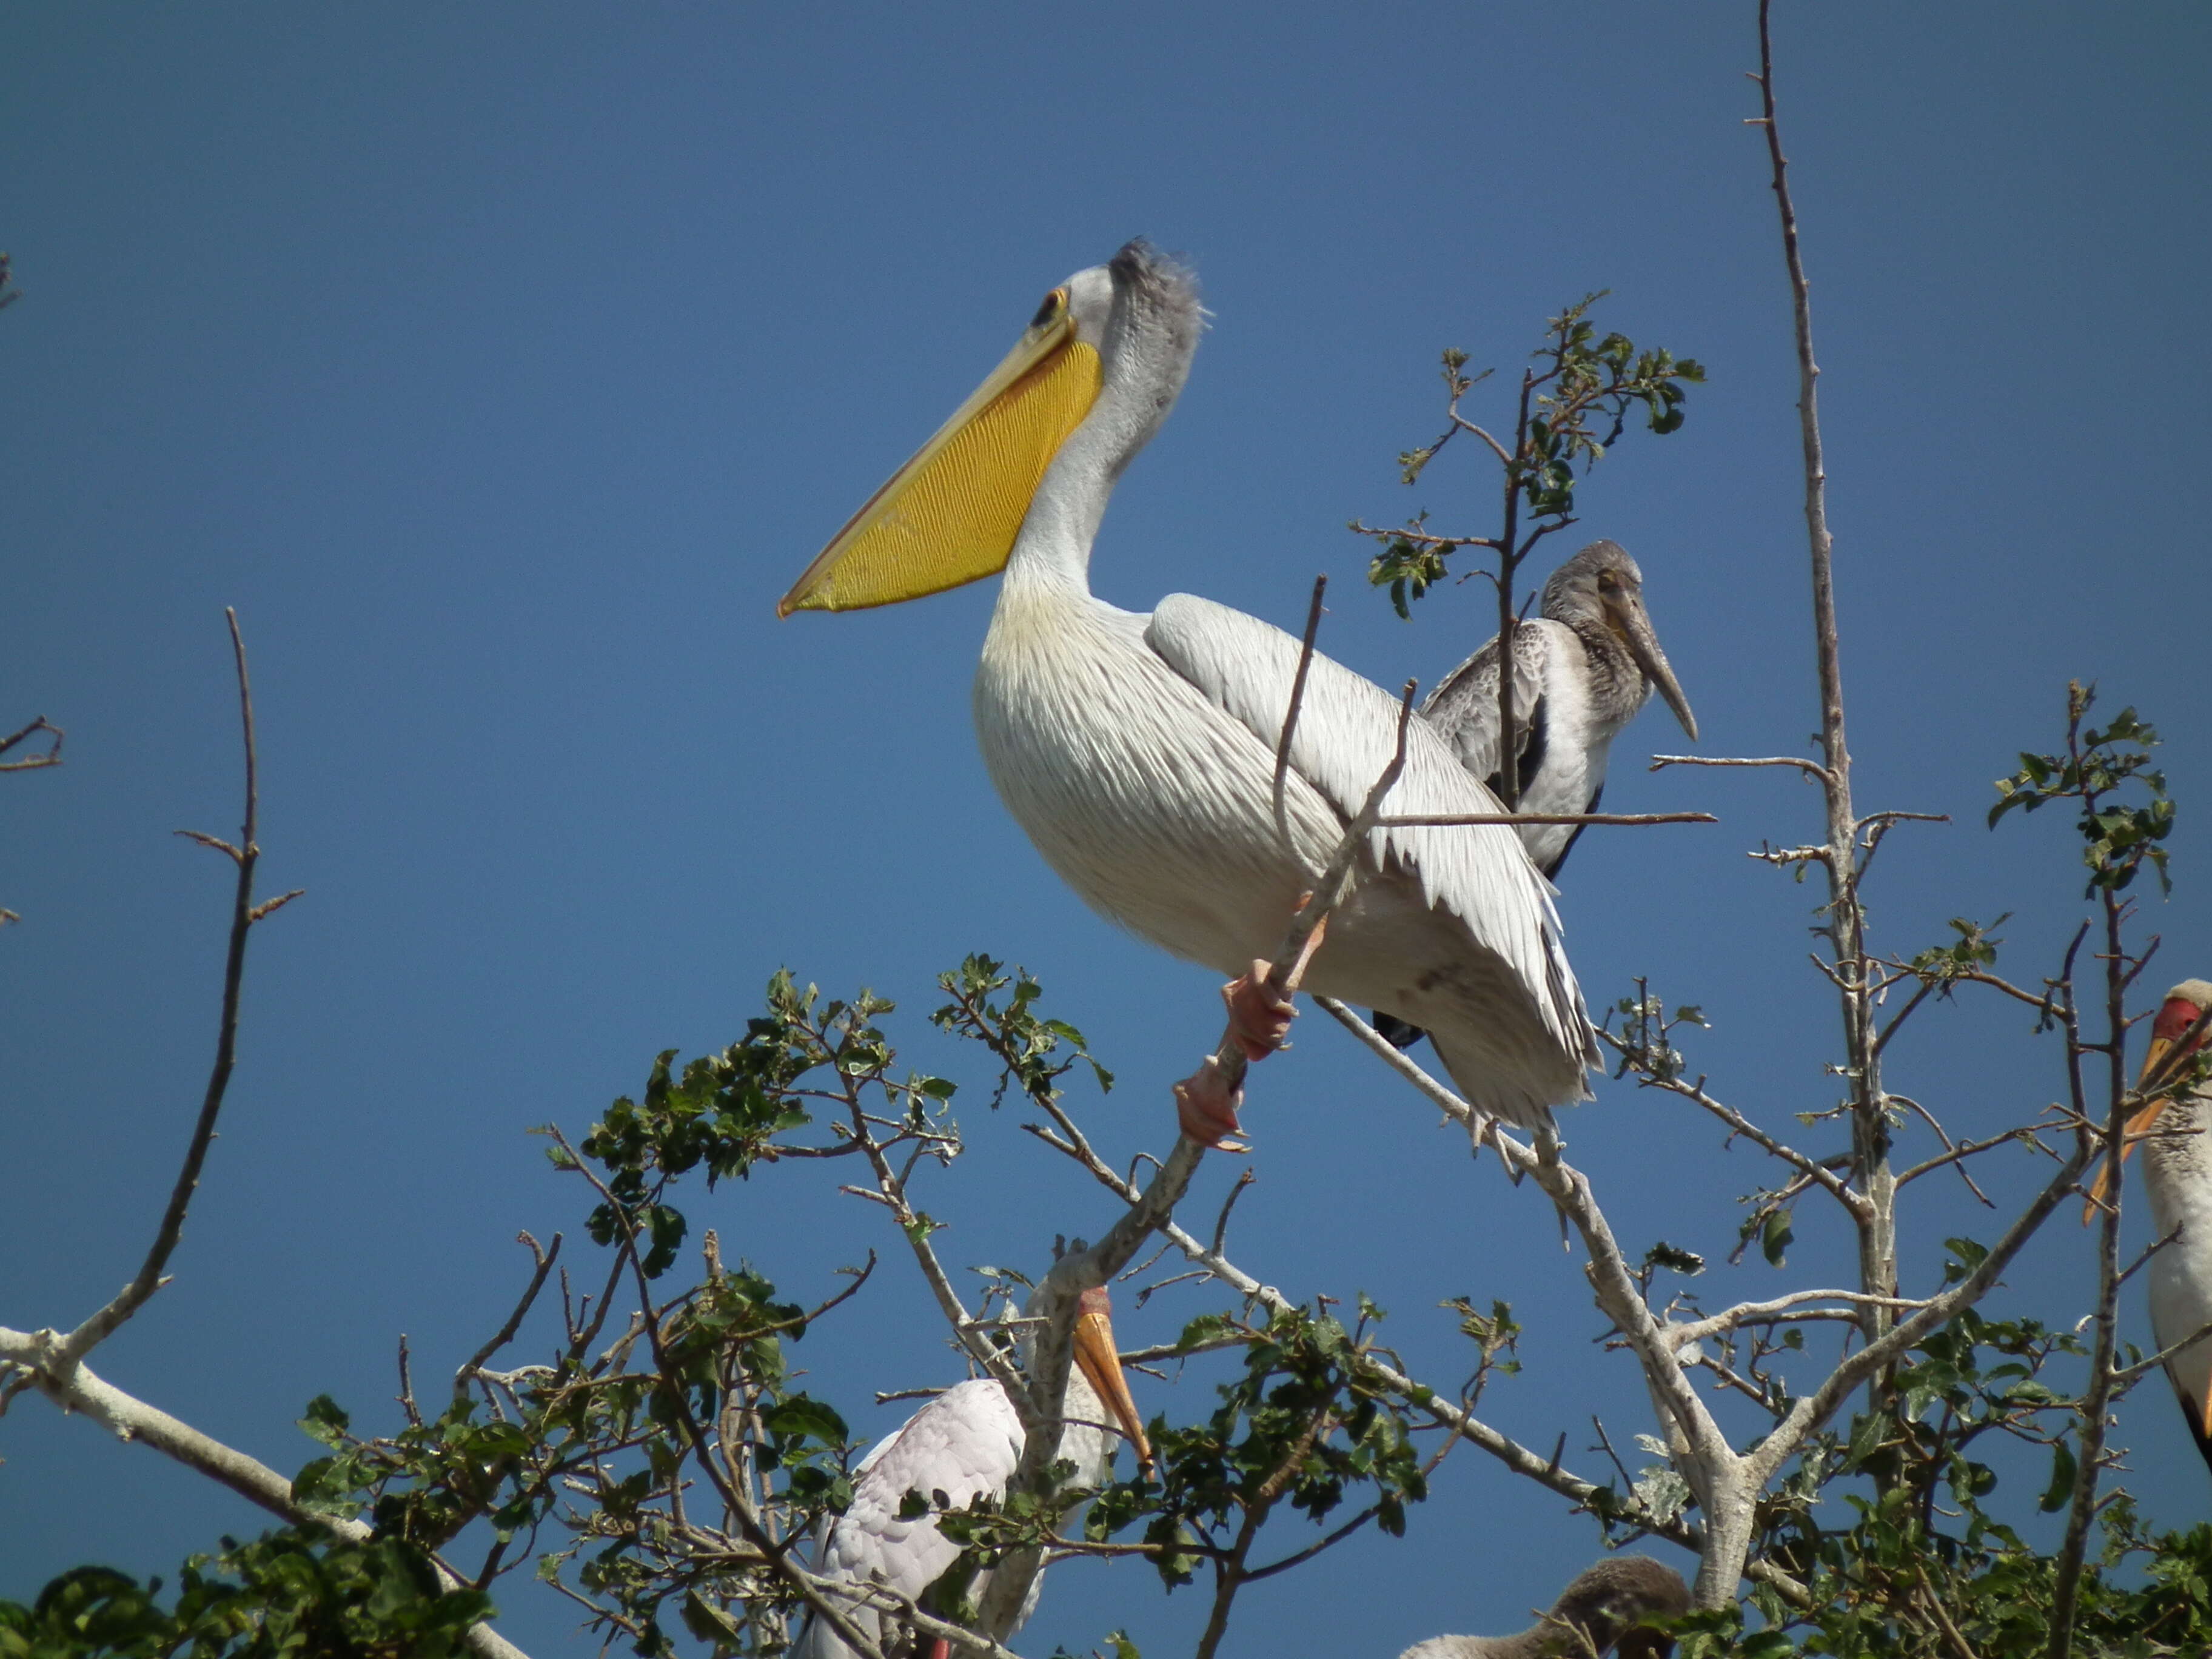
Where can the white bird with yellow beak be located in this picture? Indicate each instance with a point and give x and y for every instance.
(2177, 1176)
(1139, 751)
(966, 1443)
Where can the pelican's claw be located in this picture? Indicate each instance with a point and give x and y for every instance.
(1260, 1016)
(1205, 1108)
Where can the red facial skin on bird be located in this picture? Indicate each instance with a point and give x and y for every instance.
(2174, 1020)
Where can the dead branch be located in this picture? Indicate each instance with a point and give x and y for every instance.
(52, 757)
(1447, 821)
(135, 1295)
(1812, 768)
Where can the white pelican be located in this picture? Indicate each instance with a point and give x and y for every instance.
(965, 1442)
(1599, 1609)
(1138, 750)
(2178, 1174)
(1582, 668)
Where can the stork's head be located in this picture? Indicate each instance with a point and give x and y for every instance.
(1602, 584)
(1116, 339)
(1100, 1362)
(2179, 1024)
(1606, 1604)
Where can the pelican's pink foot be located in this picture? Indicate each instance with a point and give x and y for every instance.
(1206, 1106)
(1260, 1016)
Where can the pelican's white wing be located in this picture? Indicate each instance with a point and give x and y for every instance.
(965, 1441)
(1346, 735)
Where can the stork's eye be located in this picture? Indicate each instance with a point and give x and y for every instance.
(1054, 303)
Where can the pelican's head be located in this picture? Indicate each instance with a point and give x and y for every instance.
(2176, 1023)
(1601, 582)
(1100, 1362)
(950, 514)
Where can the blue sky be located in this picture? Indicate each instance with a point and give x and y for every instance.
(503, 366)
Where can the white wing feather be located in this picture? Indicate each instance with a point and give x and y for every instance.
(966, 1441)
(1345, 735)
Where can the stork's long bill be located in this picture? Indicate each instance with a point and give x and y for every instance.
(949, 516)
(1101, 1362)
(1632, 624)
(2177, 1022)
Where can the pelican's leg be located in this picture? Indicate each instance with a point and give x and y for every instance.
(1260, 1016)
(1206, 1106)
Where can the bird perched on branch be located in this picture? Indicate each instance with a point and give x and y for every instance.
(1598, 1615)
(1140, 751)
(1582, 668)
(2177, 1176)
(964, 1444)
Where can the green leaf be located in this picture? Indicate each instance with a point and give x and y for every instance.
(1775, 1236)
(2060, 1492)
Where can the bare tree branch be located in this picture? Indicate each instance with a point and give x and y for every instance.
(1453, 820)
(52, 757)
(135, 1295)
(1813, 769)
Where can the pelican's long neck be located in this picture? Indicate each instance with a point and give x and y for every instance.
(1053, 551)
(1151, 335)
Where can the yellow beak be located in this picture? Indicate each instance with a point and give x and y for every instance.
(2138, 1126)
(1102, 1365)
(949, 516)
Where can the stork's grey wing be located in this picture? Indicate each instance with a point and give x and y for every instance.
(1464, 705)
(1346, 735)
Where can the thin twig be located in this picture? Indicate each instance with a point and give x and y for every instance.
(407, 1386)
(505, 1335)
(1450, 820)
(2129, 1373)
(135, 1295)
(52, 757)
(1813, 769)
(1291, 716)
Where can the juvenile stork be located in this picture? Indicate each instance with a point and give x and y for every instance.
(1138, 750)
(1598, 1615)
(966, 1443)
(1582, 668)
(2177, 1176)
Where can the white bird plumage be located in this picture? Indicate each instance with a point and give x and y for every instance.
(963, 1444)
(2177, 1149)
(1139, 751)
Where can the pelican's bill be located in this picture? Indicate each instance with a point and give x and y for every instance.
(949, 516)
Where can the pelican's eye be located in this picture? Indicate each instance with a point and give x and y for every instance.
(1054, 303)
(1606, 581)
